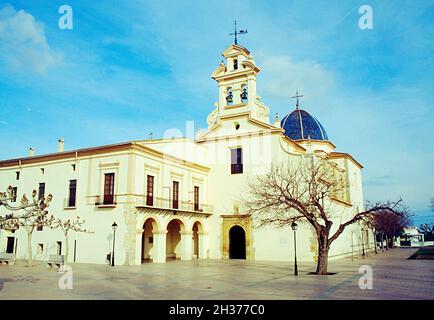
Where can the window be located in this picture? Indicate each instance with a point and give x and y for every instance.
(41, 192)
(72, 193)
(196, 198)
(235, 64)
(42, 170)
(14, 194)
(17, 175)
(150, 190)
(175, 202)
(40, 248)
(236, 161)
(109, 188)
(73, 167)
(59, 247)
(10, 245)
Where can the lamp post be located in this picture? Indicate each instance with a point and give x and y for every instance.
(363, 244)
(114, 226)
(294, 228)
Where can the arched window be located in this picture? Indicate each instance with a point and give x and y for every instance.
(235, 64)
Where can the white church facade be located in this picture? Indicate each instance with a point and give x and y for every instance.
(179, 198)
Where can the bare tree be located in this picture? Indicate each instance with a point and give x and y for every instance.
(390, 224)
(427, 228)
(22, 210)
(66, 226)
(369, 223)
(34, 215)
(302, 191)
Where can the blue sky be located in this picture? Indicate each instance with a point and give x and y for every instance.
(133, 67)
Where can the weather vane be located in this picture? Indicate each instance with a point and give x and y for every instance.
(237, 32)
(297, 96)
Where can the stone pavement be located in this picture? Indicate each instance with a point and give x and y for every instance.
(394, 277)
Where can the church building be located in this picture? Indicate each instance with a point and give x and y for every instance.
(180, 198)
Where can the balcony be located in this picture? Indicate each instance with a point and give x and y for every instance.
(142, 201)
(105, 201)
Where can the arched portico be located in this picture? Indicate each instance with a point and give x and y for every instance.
(174, 249)
(197, 232)
(161, 238)
(150, 240)
(149, 226)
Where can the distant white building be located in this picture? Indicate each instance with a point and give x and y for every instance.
(180, 198)
(411, 237)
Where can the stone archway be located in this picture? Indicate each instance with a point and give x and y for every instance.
(244, 221)
(149, 226)
(237, 243)
(174, 240)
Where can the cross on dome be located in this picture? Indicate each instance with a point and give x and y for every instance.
(297, 96)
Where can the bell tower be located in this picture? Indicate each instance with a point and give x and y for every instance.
(236, 79)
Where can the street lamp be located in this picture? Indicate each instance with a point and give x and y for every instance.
(294, 228)
(363, 244)
(114, 226)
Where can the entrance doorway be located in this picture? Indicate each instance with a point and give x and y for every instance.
(10, 245)
(237, 243)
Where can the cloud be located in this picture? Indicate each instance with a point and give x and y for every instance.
(284, 76)
(23, 45)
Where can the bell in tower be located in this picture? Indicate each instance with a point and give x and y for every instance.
(243, 94)
(230, 97)
(236, 80)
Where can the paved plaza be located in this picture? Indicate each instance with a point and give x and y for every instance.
(394, 277)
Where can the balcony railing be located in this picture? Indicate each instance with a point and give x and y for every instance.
(164, 203)
(103, 201)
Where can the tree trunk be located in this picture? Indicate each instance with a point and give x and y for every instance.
(323, 255)
(323, 250)
(391, 241)
(66, 248)
(387, 242)
(29, 249)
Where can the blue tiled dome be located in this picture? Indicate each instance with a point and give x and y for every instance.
(299, 124)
